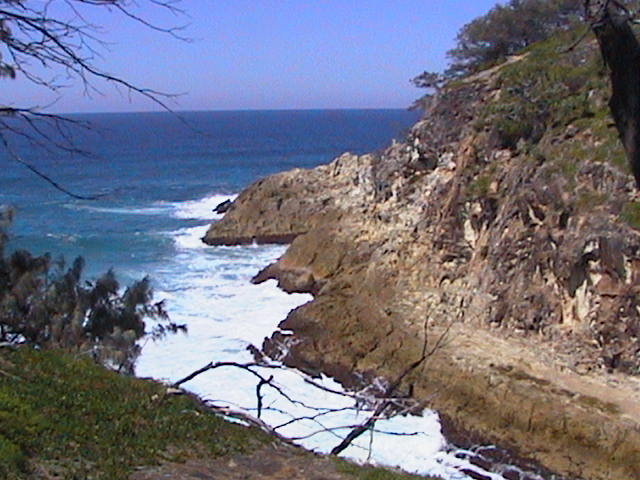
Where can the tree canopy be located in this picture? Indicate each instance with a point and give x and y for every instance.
(508, 28)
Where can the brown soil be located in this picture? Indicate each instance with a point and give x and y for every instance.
(274, 462)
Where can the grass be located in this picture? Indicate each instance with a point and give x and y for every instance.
(631, 214)
(64, 417)
(75, 420)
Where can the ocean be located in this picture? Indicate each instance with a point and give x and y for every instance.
(158, 177)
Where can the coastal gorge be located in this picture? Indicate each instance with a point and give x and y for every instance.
(502, 232)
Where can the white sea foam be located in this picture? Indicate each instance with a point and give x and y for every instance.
(154, 210)
(189, 238)
(209, 289)
(202, 209)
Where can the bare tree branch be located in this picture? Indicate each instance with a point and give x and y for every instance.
(43, 176)
(53, 44)
(387, 403)
(383, 400)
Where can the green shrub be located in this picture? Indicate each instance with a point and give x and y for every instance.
(631, 214)
(47, 305)
(13, 459)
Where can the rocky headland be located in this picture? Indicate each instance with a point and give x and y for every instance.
(504, 231)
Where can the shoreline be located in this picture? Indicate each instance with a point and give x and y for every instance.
(524, 249)
(363, 277)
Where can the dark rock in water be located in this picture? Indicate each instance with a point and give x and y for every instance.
(511, 474)
(475, 475)
(223, 207)
(480, 461)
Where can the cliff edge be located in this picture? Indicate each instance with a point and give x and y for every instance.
(505, 227)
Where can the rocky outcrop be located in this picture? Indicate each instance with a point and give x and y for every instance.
(501, 234)
(279, 208)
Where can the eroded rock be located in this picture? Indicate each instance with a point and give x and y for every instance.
(522, 278)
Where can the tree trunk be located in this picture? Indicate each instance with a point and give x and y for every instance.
(611, 23)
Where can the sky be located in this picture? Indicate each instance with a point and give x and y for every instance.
(265, 54)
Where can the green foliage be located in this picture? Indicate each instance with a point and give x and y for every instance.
(479, 187)
(65, 414)
(509, 28)
(430, 80)
(46, 305)
(588, 200)
(546, 90)
(631, 214)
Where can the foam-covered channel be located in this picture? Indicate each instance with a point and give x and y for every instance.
(209, 289)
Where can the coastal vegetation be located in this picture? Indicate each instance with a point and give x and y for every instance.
(46, 305)
(507, 29)
(509, 216)
(63, 416)
(507, 220)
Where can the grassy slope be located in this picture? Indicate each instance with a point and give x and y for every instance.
(59, 412)
(62, 416)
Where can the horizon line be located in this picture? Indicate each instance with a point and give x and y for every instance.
(222, 110)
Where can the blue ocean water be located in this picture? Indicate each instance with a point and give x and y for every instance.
(145, 164)
(159, 178)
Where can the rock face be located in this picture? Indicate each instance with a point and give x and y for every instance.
(279, 208)
(502, 235)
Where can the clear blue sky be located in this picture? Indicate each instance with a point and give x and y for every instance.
(270, 54)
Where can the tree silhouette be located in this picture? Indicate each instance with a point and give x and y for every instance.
(45, 304)
(611, 21)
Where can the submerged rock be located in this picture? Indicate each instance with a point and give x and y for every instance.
(223, 207)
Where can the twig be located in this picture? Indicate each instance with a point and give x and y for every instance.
(16, 158)
(250, 419)
(360, 429)
(386, 403)
(10, 375)
(309, 417)
(574, 45)
(259, 394)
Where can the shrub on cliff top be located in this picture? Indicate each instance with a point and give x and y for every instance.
(509, 28)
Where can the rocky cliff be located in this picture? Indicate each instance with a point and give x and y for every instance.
(504, 230)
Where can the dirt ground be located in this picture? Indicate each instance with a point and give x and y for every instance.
(273, 462)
